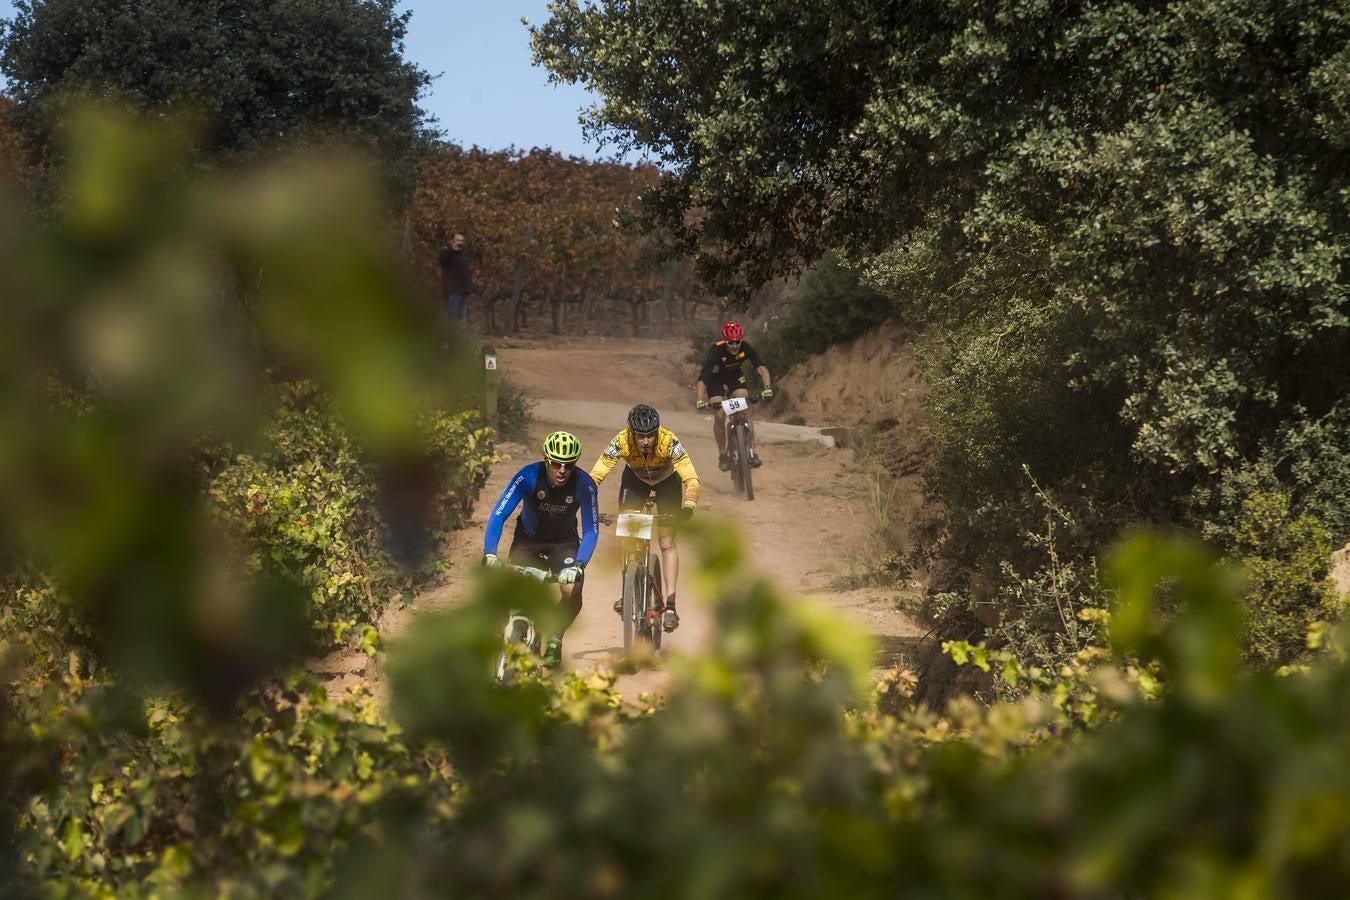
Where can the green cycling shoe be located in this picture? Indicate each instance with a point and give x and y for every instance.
(553, 653)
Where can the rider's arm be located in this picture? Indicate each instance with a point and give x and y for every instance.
(607, 460)
(710, 364)
(757, 361)
(589, 498)
(705, 374)
(521, 485)
(684, 467)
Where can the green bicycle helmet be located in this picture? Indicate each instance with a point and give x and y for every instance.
(561, 446)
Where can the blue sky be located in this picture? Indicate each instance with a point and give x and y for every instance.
(487, 93)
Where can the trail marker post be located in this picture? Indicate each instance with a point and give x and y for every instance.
(490, 383)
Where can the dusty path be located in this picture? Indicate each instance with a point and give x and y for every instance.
(807, 525)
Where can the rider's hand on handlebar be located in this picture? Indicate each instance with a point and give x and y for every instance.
(700, 404)
(766, 393)
(569, 575)
(490, 559)
(685, 514)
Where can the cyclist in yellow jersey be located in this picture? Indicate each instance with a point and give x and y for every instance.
(654, 457)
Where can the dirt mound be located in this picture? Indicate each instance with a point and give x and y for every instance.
(871, 389)
(872, 379)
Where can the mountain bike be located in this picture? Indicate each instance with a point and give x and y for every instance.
(520, 632)
(643, 596)
(739, 442)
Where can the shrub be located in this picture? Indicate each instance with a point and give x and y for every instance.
(1287, 559)
(308, 503)
(154, 797)
(831, 306)
(515, 410)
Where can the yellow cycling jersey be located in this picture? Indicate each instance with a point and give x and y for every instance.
(667, 457)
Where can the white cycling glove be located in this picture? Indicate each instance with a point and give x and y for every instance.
(569, 575)
(490, 559)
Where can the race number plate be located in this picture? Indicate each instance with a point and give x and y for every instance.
(634, 525)
(735, 405)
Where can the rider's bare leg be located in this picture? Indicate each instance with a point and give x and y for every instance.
(670, 561)
(630, 551)
(719, 425)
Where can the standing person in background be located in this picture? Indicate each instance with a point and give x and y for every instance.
(456, 279)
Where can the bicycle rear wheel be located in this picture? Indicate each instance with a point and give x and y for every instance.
(743, 460)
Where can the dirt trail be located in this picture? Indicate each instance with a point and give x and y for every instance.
(807, 526)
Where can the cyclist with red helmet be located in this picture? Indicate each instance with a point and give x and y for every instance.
(723, 376)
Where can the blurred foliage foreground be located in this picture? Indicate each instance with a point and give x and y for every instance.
(218, 441)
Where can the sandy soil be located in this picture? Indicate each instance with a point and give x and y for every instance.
(809, 525)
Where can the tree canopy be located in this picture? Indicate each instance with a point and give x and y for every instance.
(263, 74)
(1122, 227)
(797, 128)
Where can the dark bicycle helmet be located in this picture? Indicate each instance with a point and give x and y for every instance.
(643, 419)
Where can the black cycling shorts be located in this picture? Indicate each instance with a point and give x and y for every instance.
(633, 492)
(724, 390)
(543, 555)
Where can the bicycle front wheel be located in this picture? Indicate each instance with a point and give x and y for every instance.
(517, 632)
(655, 603)
(743, 460)
(734, 451)
(632, 602)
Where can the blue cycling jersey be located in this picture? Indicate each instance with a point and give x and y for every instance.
(548, 512)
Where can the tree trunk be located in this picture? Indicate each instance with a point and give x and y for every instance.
(668, 292)
(489, 314)
(586, 300)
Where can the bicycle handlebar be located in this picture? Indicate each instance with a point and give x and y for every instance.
(610, 518)
(537, 574)
(752, 399)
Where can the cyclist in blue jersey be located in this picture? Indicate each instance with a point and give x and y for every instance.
(550, 494)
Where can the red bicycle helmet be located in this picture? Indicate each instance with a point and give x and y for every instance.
(732, 331)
